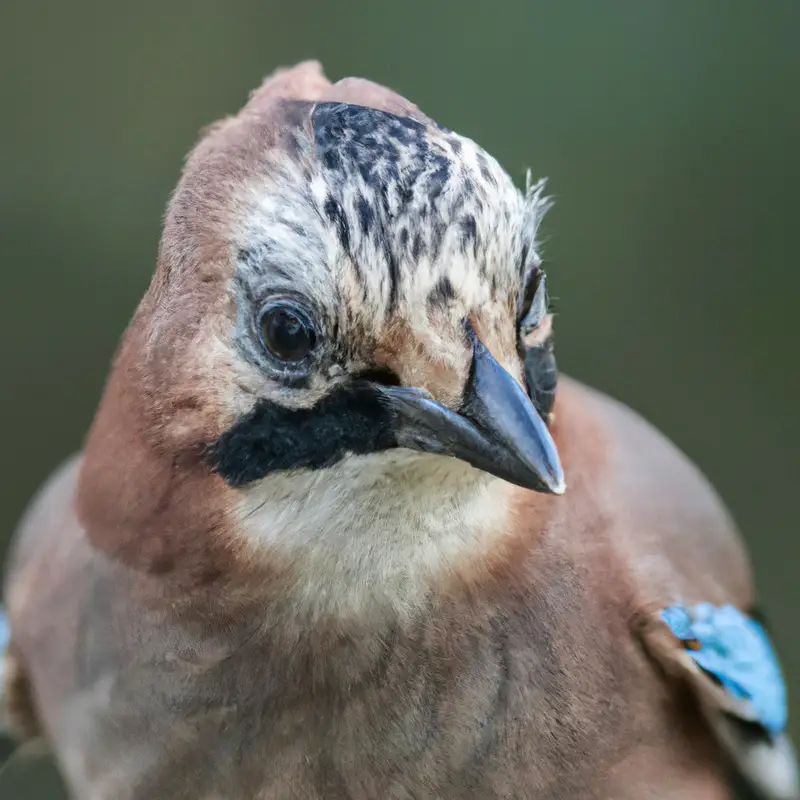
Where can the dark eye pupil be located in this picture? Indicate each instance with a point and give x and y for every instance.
(287, 335)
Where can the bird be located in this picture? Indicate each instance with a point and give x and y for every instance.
(341, 529)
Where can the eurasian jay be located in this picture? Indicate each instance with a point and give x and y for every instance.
(318, 543)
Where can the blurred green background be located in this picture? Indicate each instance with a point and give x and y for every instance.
(670, 132)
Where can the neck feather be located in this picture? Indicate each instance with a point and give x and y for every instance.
(376, 533)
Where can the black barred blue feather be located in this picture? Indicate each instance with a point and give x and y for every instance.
(736, 650)
(729, 660)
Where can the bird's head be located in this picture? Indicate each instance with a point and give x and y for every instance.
(342, 290)
(377, 269)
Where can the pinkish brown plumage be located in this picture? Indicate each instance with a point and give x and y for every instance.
(266, 577)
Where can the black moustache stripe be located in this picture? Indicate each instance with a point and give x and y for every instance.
(272, 438)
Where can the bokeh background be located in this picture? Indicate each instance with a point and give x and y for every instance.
(670, 132)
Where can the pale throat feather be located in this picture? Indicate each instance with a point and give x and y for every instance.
(374, 532)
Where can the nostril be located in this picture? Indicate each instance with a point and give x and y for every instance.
(382, 375)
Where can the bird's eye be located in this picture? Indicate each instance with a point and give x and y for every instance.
(287, 331)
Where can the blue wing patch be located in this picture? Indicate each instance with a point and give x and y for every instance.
(5, 631)
(736, 650)
(5, 638)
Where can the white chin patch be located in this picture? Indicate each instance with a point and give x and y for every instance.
(375, 527)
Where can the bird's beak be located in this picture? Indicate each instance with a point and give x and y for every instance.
(497, 429)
